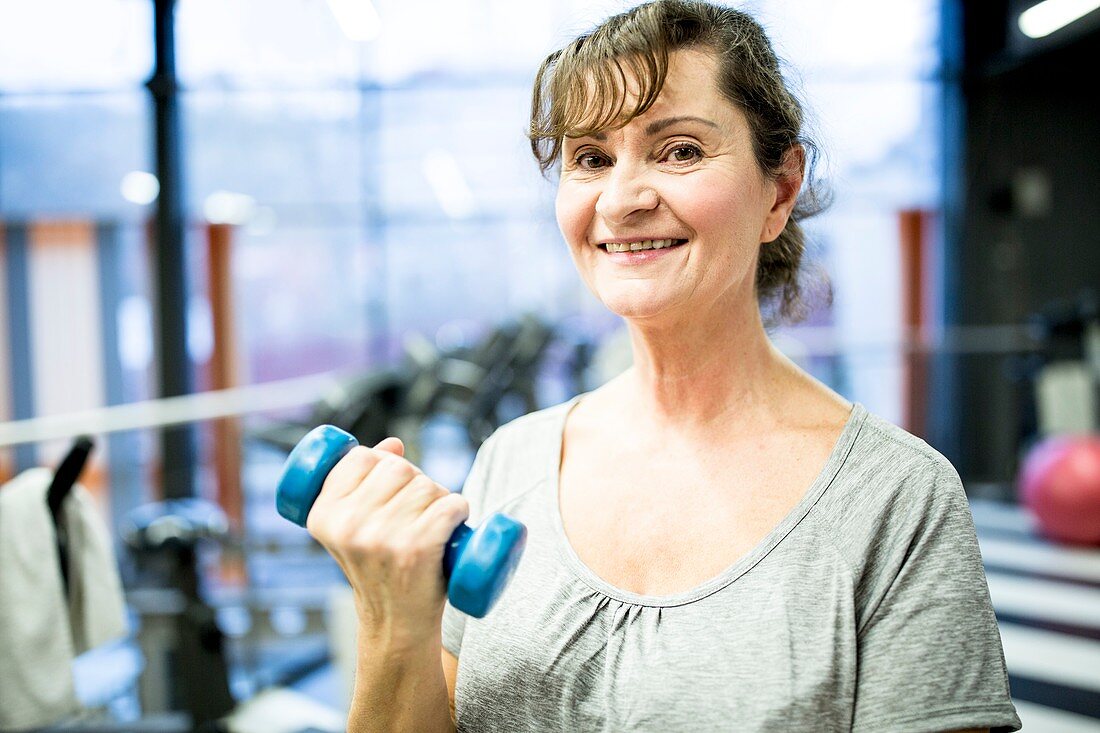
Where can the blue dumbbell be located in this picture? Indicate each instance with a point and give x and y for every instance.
(476, 562)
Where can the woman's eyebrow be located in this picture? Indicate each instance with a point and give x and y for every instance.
(657, 125)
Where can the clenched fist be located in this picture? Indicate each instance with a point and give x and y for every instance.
(386, 523)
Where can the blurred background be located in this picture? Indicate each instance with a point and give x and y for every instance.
(311, 211)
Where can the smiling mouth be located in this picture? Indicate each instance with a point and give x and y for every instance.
(640, 246)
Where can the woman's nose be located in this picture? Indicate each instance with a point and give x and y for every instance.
(625, 192)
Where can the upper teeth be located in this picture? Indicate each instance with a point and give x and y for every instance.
(635, 246)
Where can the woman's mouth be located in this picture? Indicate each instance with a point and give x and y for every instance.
(641, 252)
(641, 246)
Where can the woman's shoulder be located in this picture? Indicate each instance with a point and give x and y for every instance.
(518, 457)
(899, 517)
(887, 456)
(891, 488)
(541, 426)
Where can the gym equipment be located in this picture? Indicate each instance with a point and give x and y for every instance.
(168, 534)
(491, 383)
(477, 385)
(365, 405)
(1066, 375)
(1060, 377)
(1060, 485)
(476, 562)
(217, 655)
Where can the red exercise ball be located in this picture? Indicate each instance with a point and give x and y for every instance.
(1060, 485)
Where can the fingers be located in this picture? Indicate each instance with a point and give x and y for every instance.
(373, 478)
(392, 445)
(360, 463)
(349, 471)
(438, 521)
(389, 477)
(377, 485)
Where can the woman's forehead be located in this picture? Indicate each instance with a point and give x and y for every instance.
(690, 89)
(690, 82)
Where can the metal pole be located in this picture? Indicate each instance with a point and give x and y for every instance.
(169, 255)
(944, 419)
(15, 246)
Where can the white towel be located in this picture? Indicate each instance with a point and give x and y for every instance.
(39, 633)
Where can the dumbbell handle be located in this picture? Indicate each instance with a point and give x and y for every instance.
(476, 563)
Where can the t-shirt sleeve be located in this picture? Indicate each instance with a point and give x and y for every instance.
(930, 655)
(454, 621)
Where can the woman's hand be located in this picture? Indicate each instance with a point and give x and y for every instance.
(386, 524)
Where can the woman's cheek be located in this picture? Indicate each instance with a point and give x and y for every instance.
(574, 213)
(732, 220)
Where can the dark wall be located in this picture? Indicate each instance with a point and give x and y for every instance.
(1026, 232)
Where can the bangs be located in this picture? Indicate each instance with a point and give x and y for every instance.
(608, 94)
(598, 82)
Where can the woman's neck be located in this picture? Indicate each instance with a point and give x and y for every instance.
(703, 373)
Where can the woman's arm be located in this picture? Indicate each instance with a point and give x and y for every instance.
(401, 690)
(386, 524)
(450, 671)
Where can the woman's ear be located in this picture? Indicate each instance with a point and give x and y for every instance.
(787, 185)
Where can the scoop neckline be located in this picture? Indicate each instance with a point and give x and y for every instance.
(841, 448)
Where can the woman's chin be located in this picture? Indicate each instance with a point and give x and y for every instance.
(637, 310)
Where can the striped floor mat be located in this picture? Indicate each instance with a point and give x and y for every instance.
(1047, 600)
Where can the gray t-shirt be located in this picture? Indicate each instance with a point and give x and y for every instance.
(866, 609)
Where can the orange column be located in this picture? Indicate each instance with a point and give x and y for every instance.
(224, 369)
(913, 233)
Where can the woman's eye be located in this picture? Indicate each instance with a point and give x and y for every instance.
(684, 154)
(590, 161)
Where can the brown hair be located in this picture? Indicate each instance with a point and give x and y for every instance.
(582, 88)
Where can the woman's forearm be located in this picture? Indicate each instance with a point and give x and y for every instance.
(399, 690)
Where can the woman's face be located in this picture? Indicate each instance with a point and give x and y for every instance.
(682, 174)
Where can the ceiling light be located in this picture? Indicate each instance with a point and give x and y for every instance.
(1050, 15)
(227, 207)
(139, 187)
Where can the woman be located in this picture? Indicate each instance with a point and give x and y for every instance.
(716, 540)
